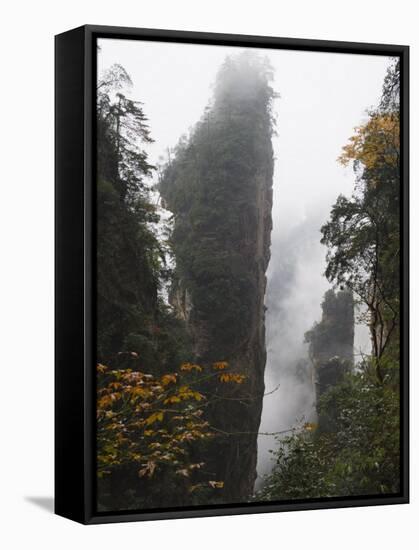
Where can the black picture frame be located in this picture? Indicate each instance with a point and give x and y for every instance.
(75, 77)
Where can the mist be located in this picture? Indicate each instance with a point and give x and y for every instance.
(323, 96)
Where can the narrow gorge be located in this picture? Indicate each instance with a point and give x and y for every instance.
(242, 276)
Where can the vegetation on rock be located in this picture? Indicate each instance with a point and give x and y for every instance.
(355, 448)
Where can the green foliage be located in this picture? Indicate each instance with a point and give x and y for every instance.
(331, 344)
(334, 334)
(363, 233)
(130, 260)
(357, 455)
(211, 187)
(134, 326)
(355, 449)
(156, 422)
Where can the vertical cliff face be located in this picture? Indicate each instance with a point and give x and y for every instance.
(219, 188)
(331, 343)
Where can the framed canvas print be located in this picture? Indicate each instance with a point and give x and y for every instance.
(231, 274)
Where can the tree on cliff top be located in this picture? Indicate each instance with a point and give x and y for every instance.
(359, 452)
(363, 234)
(130, 261)
(211, 188)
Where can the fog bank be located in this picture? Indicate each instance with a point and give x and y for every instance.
(322, 97)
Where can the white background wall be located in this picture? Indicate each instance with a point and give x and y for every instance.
(26, 304)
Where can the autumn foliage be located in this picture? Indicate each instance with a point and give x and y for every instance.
(376, 143)
(153, 423)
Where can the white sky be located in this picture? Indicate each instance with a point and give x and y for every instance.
(323, 96)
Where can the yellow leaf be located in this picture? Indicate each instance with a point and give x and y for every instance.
(216, 484)
(168, 379)
(172, 399)
(148, 469)
(220, 365)
(190, 366)
(196, 466)
(231, 377)
(157, 416)
(310, 426)
(140, 391)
